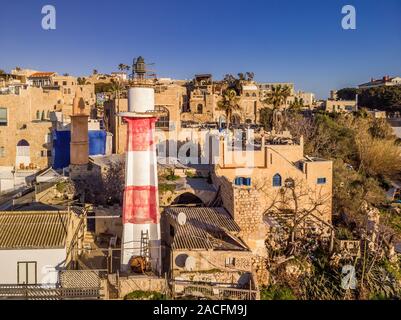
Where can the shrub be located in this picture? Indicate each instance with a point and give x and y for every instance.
(277, 292)
(145, 295)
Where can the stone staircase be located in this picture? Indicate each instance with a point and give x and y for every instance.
(112, 282)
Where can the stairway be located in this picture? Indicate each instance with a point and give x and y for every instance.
(112, 283)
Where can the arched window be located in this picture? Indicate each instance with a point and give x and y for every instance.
(276, 180)
(37, 115)
(23, 153)
(164, 121)
(23, 143)
(199, 109)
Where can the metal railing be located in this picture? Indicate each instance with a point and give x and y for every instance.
(38, 292)
(209, 291)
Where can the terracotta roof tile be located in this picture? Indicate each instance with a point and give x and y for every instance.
(42, 74)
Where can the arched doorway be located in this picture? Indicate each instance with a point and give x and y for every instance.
(222, 121)
(23, 153)
(187, 198)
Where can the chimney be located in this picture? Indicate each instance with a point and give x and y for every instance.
(79, 147)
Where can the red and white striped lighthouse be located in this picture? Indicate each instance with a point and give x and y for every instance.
(141, 219)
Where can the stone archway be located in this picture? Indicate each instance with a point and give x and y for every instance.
(187, 198)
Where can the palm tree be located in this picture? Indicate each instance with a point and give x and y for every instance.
(278, 96)
(123, 67)
(2, 71)
(228, 104)
(81, 81)
(297, 104)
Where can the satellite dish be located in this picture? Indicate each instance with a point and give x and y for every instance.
(182, 218)
(190, 263)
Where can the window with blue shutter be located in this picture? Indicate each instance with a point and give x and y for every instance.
(277, 180)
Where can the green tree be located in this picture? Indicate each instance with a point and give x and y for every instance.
(123, 67)
(81, 81)
(266, 118)
(297, 104)
(277, 96)
(347, 94)
(229, 103)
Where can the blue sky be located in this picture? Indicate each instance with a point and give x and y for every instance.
(279, 40)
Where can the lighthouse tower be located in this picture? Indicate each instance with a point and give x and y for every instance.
(141, 219)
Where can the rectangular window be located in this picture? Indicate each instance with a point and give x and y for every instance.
(321, 180)
(64, 83)
(3, 117)
(45, 153)
(2, 152)
(26, 273)
(230, 262)
(48, 138)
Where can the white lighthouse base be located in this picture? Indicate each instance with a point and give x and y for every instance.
(133, 241)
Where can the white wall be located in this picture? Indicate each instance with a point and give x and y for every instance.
(6, 184)
(397, 131)
(43, 257)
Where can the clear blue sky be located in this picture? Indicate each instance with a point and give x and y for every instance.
(280, 40)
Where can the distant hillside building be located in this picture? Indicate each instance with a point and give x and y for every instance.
(340, 106)
(385, 81)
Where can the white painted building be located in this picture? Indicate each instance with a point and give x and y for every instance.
(33, 246)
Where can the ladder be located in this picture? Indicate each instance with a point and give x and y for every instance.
(145, 244)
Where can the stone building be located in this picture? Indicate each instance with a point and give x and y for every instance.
(276, 179)
(341, 106)
(170, 97)
(205, 249)
(209, 236)
(205, 94)
(25, 124)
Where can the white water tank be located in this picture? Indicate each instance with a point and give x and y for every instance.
(141, 99)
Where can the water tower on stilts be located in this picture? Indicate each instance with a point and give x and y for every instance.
(141, 219)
